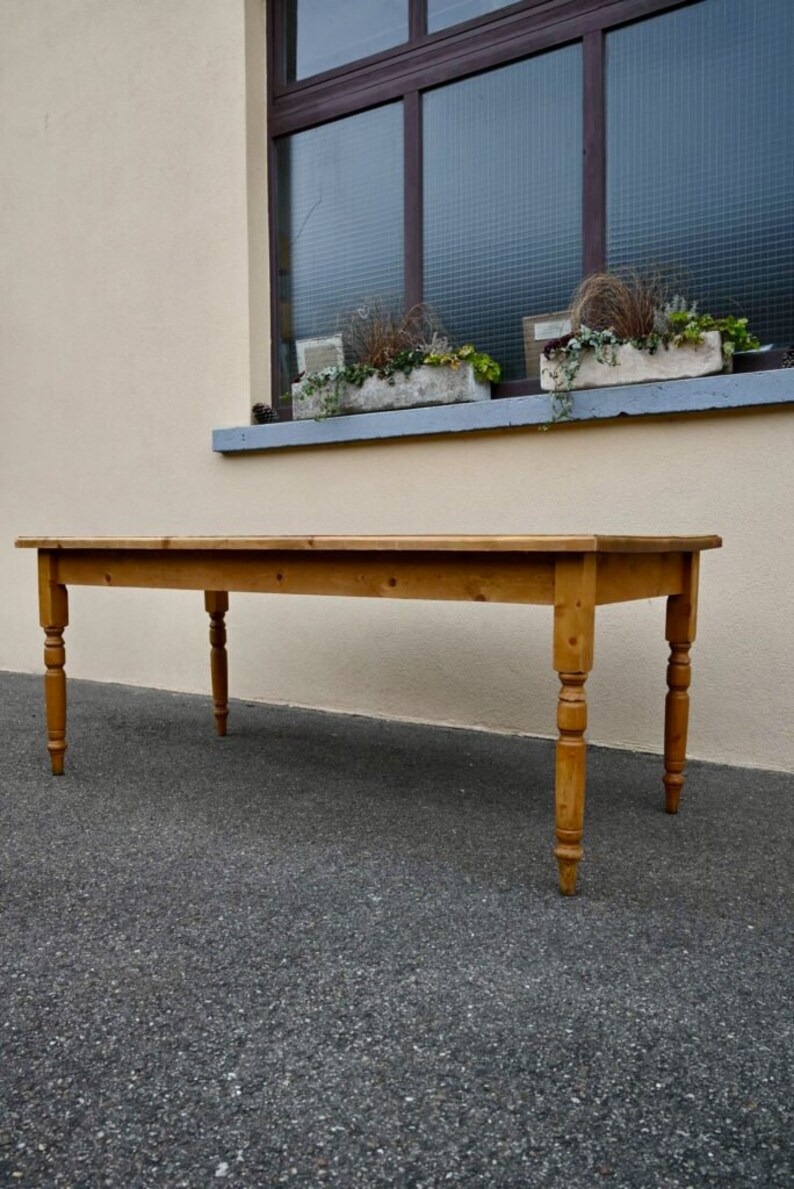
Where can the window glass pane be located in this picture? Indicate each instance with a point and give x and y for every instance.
(441, 13)
(340, 224)
(322, 34)
(502, 195)
(701, 155)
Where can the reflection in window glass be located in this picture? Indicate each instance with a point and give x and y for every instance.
(701, 155)
(502, 200)
(340, 224)
(323, 34)
(441, 13)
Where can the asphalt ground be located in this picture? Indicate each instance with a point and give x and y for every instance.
(330, 949)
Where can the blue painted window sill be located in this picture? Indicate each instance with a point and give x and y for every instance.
(709, 394)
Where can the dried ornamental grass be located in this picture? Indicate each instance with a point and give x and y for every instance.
(627, 305)
(374, 333)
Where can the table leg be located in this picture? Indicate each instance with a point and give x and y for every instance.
(574, 623)
(680, 629)
(216, 603)
(54, 617)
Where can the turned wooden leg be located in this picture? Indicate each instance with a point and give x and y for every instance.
(570, 781)
(574, 623)
(54, 617)
(217, 604)
(680, 631)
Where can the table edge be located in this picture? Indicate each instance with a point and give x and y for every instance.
(464, 543)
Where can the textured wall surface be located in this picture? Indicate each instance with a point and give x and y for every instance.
(129, 253)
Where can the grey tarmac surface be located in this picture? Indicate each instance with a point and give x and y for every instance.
(330, 950)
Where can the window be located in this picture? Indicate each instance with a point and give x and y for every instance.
(483, 156)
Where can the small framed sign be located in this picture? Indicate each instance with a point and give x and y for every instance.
(315, 355)
(538, 329)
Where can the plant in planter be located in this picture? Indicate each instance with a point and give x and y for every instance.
(397, 362)
(628, 330)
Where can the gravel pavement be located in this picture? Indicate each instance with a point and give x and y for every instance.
(331, 950)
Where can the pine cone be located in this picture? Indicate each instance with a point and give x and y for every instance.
(264, 414)
(788, 358)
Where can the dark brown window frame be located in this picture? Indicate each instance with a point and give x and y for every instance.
(430, 60)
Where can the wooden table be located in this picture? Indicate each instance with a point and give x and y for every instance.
(572, 574)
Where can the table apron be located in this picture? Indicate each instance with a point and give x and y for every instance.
(623, 577)
(470, 577)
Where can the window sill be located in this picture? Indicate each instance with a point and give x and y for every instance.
(706, 395)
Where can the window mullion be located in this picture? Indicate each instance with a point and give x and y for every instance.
(417, 19)
(594, 156)
(413, 206)
(278, 38)
(276, 377)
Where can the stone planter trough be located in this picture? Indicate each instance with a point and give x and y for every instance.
(638, 367)
(424, 386)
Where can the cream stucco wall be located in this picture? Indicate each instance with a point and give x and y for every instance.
(134, 320)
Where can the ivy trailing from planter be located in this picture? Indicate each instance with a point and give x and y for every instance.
(568, 352)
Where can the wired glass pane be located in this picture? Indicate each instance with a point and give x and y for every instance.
(324, 34)
(503, 200)
(442, 13)
(700, 151)
(340, 224)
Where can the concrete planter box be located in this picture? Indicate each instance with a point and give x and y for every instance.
(639, 367)
(424, 386)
